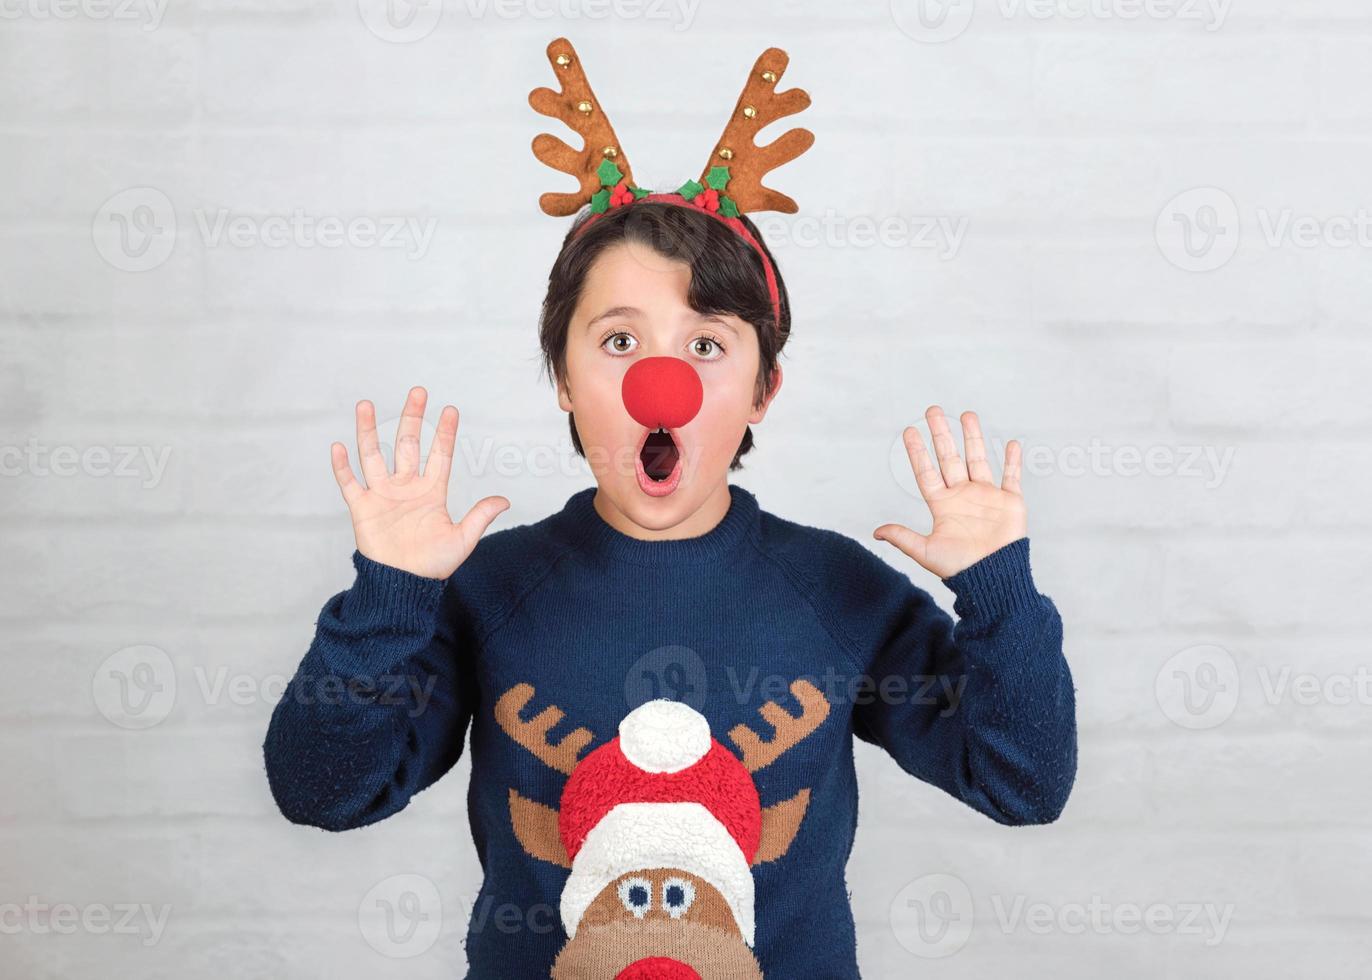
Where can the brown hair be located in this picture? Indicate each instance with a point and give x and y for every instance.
(727, 277)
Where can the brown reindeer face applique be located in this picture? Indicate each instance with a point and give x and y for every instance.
(660, 827)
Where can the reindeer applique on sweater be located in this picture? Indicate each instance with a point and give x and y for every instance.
(660, 828)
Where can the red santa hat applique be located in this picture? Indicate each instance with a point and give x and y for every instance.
(663, 794)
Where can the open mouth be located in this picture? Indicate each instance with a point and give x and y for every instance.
(659, 463)
(659, 455)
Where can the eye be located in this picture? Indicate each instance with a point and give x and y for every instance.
(619, 343)
(707, 348)
(637, 895)
(677, 896)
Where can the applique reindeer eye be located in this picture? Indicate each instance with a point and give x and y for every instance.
(677, 896)
(637, 895)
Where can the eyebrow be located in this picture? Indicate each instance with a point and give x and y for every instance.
(614, 311)
(722, 322)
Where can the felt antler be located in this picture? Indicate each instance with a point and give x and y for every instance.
(576, 106)
(759, 105)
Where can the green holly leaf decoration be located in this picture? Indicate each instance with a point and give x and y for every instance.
(609, 173)
(640, 193)
(718, 178)
(689, 189)
(727, 207)
(600, 200)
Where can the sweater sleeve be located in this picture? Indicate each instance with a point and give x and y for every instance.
(984, 707)
(378, 709)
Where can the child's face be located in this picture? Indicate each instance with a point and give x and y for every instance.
(633, 306)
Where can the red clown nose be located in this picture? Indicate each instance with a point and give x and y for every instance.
(662, 392)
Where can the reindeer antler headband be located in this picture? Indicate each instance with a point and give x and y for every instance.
(730, 185)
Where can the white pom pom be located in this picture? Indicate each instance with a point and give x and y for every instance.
(664, 736)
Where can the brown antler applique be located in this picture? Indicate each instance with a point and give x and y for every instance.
(759, 105)
(533, 734)
(789, 729)
(575, 105)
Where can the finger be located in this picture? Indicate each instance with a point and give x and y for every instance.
(368, 448)
(945, 447)
(343, 473)
(911, 542)
(1010, 478)
(407, 435)
(926, 473)
(440, 463)
(974, 447)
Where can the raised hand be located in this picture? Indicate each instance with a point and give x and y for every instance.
(401, 519)
(972, 516)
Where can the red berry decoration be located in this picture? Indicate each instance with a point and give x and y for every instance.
(621, 194)
(707, 199)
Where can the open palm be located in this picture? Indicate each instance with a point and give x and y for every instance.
(972, 516)
(401, 519)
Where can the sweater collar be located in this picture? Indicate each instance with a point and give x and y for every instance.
(598, 537)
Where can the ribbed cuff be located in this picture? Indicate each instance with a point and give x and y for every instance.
(382, 593)
(999, 584)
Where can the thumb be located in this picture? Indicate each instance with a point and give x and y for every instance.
(912, 543)
(479, 518)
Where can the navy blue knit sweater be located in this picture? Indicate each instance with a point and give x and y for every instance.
(572, 613)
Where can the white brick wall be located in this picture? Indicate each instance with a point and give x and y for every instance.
(166, 430)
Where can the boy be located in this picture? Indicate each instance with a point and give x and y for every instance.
(701, 834)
